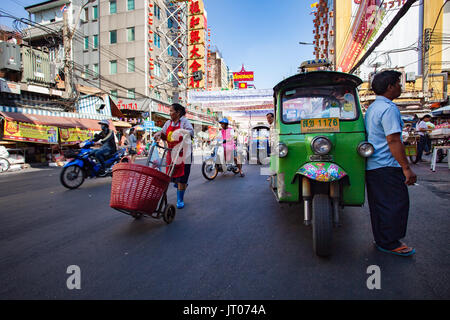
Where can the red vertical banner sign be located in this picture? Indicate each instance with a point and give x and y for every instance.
(196, 44)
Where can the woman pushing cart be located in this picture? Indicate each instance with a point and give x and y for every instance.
(182, 168)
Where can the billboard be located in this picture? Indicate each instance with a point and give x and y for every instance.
(244, 76)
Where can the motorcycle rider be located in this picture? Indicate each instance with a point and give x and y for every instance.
(229, 146)
(108, 145)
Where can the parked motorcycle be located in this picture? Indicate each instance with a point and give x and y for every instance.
(215, 163)
(84, 165)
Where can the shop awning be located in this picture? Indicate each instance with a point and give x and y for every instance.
(61, 122)
(164, 115)
(122, 124)
(203, 123)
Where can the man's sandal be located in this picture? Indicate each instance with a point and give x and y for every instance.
(400, 251)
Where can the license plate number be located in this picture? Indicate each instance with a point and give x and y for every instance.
(320, 125)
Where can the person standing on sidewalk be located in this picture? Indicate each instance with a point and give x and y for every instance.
(388, 173)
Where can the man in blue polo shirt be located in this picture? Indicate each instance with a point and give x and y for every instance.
(388, 173)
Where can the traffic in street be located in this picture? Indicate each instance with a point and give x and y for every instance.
(232, 240)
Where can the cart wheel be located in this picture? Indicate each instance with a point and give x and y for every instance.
(136, 216)
(169, 213)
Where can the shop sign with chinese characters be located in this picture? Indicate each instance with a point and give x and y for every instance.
(196, 43)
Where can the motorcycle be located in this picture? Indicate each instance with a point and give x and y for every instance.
(215, 163)
(84, 165)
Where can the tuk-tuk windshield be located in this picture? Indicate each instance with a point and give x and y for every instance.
(319, 102)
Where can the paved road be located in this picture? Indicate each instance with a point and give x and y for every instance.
(231, 241)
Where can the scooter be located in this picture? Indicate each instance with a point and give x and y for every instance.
(215, 163)
(85, 165)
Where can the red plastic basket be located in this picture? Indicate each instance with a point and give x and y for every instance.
(136, 188)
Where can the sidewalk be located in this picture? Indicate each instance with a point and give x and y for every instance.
(439, 181)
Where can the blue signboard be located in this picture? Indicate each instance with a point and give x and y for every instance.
(148, 125)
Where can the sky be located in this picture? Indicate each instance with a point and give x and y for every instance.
(263, 35)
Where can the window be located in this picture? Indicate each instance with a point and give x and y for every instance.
(169, 75)
(112, 7)
(157, 40)
(86, 43)
(157, 12)
(157, 69)
(95, 36)
(319, 102)
(95, 70)
(113, 67)
(113, 94)
(130, 33)
(130, 64)
(158, 95)
(170, 23)
(113, 36)
(170, 51)
(130, 5)
(131, 94)
(86, 71)
(170, 99)
(85, 17)
(94, 12)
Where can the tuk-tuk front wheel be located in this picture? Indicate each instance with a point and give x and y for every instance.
(322, 224)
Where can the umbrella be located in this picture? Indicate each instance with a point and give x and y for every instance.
(441, 111)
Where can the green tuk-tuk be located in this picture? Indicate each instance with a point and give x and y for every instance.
(320, 148)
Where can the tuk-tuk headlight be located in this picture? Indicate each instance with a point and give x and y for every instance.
(321, 145)
(282, 150)
(365, 149)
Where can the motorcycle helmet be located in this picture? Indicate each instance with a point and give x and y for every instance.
(104, 121)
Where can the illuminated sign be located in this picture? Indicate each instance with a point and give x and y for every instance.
(243, 75)
(364, 26)
(196, 44)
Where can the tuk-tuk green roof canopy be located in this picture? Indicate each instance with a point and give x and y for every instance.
(318, 78)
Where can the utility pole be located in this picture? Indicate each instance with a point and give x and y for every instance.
(67, 53)
(426, 63)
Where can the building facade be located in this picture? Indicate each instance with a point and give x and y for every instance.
(219, 72)
(416, 46)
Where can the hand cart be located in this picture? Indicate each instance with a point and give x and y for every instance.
(141, 190)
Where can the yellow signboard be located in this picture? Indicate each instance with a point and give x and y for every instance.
(29, 132)
(74, 135)
(320, 125)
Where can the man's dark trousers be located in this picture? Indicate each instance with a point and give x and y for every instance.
(101, 155)
(389, 205)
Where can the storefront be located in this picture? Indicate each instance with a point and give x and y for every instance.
(44, 138)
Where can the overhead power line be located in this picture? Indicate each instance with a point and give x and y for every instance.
(385, 32)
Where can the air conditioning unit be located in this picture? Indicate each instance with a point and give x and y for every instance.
(410, 76)
(10, 56)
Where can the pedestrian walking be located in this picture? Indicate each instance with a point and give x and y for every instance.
(422, 130)
(388, 173)
(132, 144)
(181, 172)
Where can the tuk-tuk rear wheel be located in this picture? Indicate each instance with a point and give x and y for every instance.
(322, 224)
